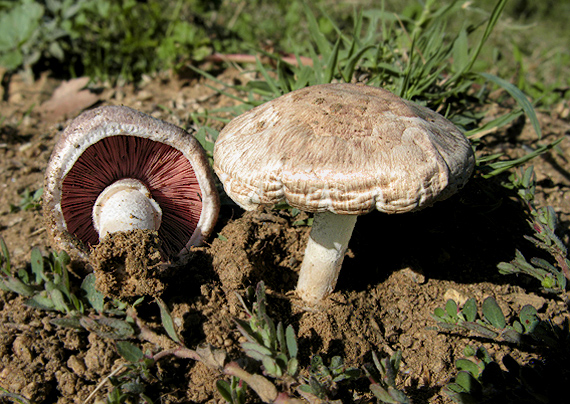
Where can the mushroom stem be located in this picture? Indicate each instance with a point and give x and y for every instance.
(324, 254)
(125, 205)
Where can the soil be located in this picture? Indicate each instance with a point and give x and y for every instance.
(398, 269)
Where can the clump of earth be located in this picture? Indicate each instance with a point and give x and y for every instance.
(128, 265)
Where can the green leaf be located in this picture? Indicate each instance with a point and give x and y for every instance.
(483, 355)
(11, 59)
(37, 264)
(130, 352)
(5, 258)
(460, 51)
(280, 334)
(493, 314)
(67, 322)
(469, 351)
(58, 300)
(322, 42)
(167, 321)
(256, 349)
(467, 365)
(466, 381)
(18, 25)
(481, 329)
(439, 313)
(291, 341)
(41, 301)
(529, 318)
(225, 391)
(519, 97)
(17, 286)
(107, 327)
(451, 308)
(292, 367)
(499, 6)
(94, 297)
(271, 367)
(469, 310)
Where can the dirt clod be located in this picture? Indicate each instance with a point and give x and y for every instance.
(129, 265)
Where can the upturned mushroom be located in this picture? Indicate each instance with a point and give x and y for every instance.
(340, 150)
(116, 169)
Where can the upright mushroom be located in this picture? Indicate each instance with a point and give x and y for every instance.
(340, 150)
(117, 169)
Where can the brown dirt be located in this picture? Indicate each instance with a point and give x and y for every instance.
(128, 265)
(398, 270)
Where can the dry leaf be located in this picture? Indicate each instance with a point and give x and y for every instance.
(68, 99)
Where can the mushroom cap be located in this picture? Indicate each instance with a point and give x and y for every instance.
(343, 148)
(119, 126)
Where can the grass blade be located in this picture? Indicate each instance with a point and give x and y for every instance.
(519, 97)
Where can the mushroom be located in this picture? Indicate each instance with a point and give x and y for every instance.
(116, 169)
(340, 150)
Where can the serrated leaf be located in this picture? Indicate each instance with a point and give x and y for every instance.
(130, 352)
(493, 313)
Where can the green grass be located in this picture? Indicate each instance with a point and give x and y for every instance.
(125, 39)
(415, 55)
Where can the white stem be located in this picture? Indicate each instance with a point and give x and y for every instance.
(125, 205)
(324, 254)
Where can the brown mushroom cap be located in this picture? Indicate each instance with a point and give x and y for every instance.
(343, 148)
(107, 144)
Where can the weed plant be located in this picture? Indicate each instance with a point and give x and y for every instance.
(29, 200)
(479, 378)
(416, 58)
(553, 275)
